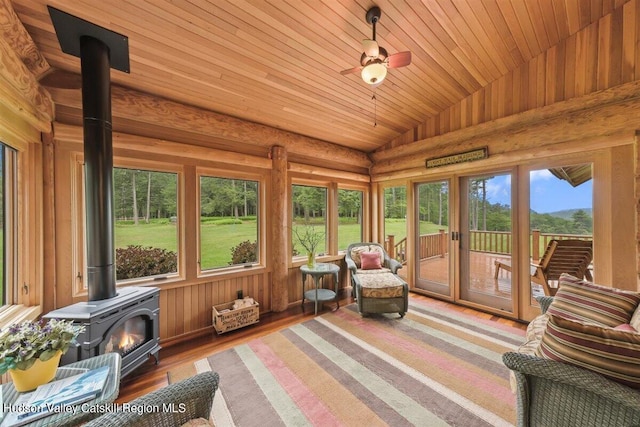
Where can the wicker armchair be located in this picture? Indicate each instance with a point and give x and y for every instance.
(195, 394)
(377, 291)
(551, 393)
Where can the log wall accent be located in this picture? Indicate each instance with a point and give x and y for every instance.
(142, 109)
(14, 33)
(602, 55)
(279, 247)
(19, 89)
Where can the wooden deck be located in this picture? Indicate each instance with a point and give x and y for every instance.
(482, 273)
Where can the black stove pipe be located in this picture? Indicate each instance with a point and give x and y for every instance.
(98, 167)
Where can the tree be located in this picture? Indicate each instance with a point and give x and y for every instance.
(350, 204)
(309, 202)
(135, 197)
(146, 216)
(582, 222)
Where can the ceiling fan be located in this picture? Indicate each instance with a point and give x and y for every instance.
(375, 60)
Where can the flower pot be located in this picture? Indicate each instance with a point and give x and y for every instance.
(311, 259)
(38, 374)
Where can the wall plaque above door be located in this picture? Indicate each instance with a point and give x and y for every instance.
(467, 156)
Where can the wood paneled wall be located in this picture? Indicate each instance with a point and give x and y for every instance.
(187, 309)
(186, 302)
(603, 55)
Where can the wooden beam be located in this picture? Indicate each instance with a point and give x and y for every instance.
(599, 114)
(515, 157)
(137, 106)
(19, 89)
(326, 172)
(16, 36)
(74, 134)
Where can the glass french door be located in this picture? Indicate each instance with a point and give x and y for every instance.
(485, 240)
(433, 244)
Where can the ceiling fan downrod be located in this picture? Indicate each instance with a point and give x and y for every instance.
(372, 17)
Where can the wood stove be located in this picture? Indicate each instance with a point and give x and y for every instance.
(123, 320)
(126, 324)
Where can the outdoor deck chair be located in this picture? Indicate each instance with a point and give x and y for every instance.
(561, 256)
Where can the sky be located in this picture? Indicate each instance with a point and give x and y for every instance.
(548, 193)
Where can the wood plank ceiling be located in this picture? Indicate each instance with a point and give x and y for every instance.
(278, 62)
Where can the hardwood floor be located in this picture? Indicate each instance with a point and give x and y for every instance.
(150, 376)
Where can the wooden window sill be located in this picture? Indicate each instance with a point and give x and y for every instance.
(17, 313)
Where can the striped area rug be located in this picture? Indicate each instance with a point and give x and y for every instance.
(435, 367)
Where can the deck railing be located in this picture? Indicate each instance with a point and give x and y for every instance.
(495, 242)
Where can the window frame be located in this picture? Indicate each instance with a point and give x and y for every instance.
(11, 169)
(363, 220)
(78, 220)
(332, 184)
(263, 182)
(329, 223)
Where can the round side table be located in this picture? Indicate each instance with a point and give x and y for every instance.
(319, 294)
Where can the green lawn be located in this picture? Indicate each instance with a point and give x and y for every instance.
(219, 237)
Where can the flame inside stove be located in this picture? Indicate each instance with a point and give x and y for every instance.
(129, 341)
(127, 337)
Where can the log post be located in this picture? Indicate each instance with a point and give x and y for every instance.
(391, 246)
(279, 249)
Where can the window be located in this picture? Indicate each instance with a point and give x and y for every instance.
(395, 213)
(561, 208)
(146, 232)
(309, 219)
(8, 162)
(228, 222)
(349, 217)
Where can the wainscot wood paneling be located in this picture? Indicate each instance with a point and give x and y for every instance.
(186, 311)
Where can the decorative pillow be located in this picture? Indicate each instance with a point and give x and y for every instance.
(625, 327)
(355, 253)
(611, 353)
(586, 302)
(370, 260)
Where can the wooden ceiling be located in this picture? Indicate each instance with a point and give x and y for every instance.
(278, 63)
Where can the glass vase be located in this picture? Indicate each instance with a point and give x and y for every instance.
(311, 259)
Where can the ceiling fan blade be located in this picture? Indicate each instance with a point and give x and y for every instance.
(370, 48)
(351, 70)
(400, 59)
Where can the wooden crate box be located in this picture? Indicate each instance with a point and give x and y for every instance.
(226, 319)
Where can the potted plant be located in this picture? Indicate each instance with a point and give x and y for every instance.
(30, 351)
(309, 239)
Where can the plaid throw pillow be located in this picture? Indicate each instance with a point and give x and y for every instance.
(612, 353)
(586, 302)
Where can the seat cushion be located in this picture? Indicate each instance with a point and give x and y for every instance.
(385, 285)
(376, 271)
(612, 353)
(586, 302)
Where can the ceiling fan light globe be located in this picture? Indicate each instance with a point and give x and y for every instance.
(374, 73)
